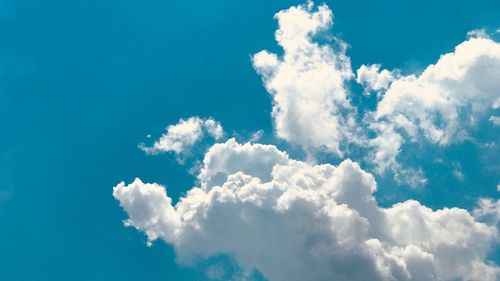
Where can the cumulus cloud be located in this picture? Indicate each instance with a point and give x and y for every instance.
(374, 79)
(311, 106)
(181, 137)
(442, 105)
(307, 83)
(449, 96)
(297, 221)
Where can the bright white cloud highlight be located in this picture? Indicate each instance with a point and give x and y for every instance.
(310, 104)
(296, 221)
(181, 137)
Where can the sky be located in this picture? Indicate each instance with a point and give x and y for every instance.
(271, 140)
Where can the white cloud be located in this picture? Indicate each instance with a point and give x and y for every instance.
(477, 33)
(181, 137)
(457, 171)
(214, 129)
(449, 96)
(442, 105)
(311, 107)
(374, 79)
(296, 221)
(310, 104)
(495, 120)
(225, 159)
(387, 146)
(293, 220)
(488, 210)
(257, 136)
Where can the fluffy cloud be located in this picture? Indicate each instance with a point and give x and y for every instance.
(442, 105)
(374, 79)
(310, 105)
(449, 96)
(296, 221)
(181, 137)
(225, 159)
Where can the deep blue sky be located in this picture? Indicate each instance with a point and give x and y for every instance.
(83, 82)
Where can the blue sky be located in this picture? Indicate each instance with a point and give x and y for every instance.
(83, 83)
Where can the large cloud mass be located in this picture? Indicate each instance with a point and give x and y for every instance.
(293, 220)
(299, 221)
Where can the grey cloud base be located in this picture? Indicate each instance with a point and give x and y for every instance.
(298, 221)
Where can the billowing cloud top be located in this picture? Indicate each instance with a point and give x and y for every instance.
(296, 220)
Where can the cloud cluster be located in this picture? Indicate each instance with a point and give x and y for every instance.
(311, 105)
(181, 137)
(296, 221)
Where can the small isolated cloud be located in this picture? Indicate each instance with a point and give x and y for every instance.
(374, 79)
(457, 171)
(181, 137)
(297, 221)
(448, 97)
(256, 136)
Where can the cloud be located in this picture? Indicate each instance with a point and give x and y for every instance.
(312, 109)
(307, 83)
(448, 97)
(181, 137)
(457, 171)
(258, 135)
(495, 120)
(442, 106)
(297, 221)
(488, 210)
(374, 79)
(478, 33)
